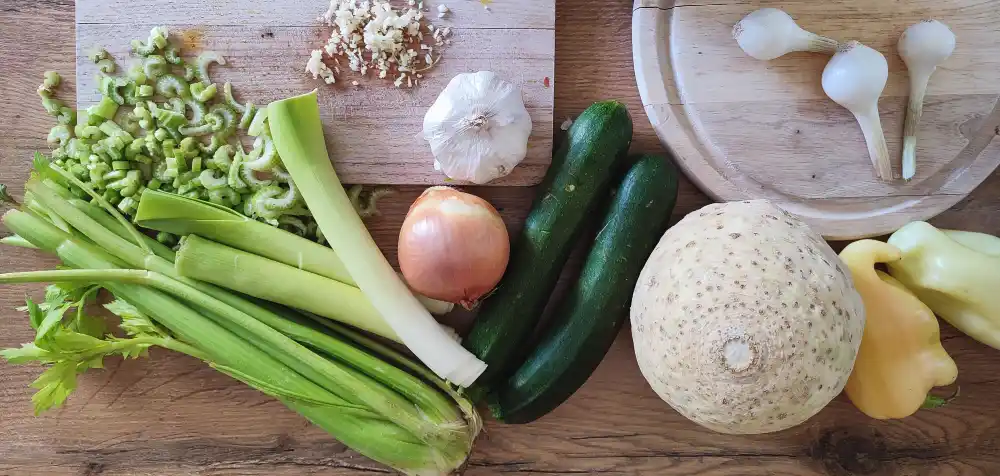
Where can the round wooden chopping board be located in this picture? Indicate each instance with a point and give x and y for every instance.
(743, 128)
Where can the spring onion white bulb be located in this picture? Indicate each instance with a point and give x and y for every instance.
(855, 78)
(923, 47)
(769, 33)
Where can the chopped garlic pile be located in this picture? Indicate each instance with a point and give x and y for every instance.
(373, 36)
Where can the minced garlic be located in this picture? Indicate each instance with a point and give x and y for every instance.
(373, 36)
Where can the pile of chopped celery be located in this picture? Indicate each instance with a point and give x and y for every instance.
(166, 126)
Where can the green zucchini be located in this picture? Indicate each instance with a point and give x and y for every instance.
(588, 319)
(581, 173)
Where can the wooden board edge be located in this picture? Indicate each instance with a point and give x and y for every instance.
(651, 55)
(661, 4)
(847, 224)
(855, 225)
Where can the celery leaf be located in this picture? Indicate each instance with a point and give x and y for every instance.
(35, 314)
(134, 322)
(54, 385)
(27, 353)
(52, 318)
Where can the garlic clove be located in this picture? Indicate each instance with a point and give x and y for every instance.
(855, 78)
(478, 128)
(769, 33)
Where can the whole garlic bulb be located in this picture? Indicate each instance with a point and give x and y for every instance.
(478, 128)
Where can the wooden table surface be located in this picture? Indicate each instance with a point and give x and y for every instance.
(172, 415)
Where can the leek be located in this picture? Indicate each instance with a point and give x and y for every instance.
(298, 137)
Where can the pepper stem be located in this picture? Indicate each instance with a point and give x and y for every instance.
(935, 402)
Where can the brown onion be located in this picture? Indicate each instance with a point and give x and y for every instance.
(453, 246)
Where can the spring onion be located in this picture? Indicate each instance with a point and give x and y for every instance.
(298, 137)
(855, 78)
(923, 47)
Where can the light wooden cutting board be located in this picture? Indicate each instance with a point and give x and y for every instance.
(743, 128)
(373, 131)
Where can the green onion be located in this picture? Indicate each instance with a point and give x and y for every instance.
(298, 137)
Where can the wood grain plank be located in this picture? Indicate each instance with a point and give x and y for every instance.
(374, 131)
(469, 14)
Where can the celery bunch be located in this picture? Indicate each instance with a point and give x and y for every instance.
(368, 396)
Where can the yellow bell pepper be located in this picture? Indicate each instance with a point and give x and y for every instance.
(901, 358)
(957, 274)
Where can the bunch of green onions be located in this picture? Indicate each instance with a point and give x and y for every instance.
(367, 395)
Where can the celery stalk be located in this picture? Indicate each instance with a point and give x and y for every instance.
(182, 215)
(131, 254)
(113, 225)
(353, 387)
(14, 240)
(135, 257)
(298, 137)
(221, 345)
(203, 260)
(381, 440)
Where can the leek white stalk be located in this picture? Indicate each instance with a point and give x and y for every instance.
(769, 33)
(923, 47)
(855, 78)
(298, 138)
